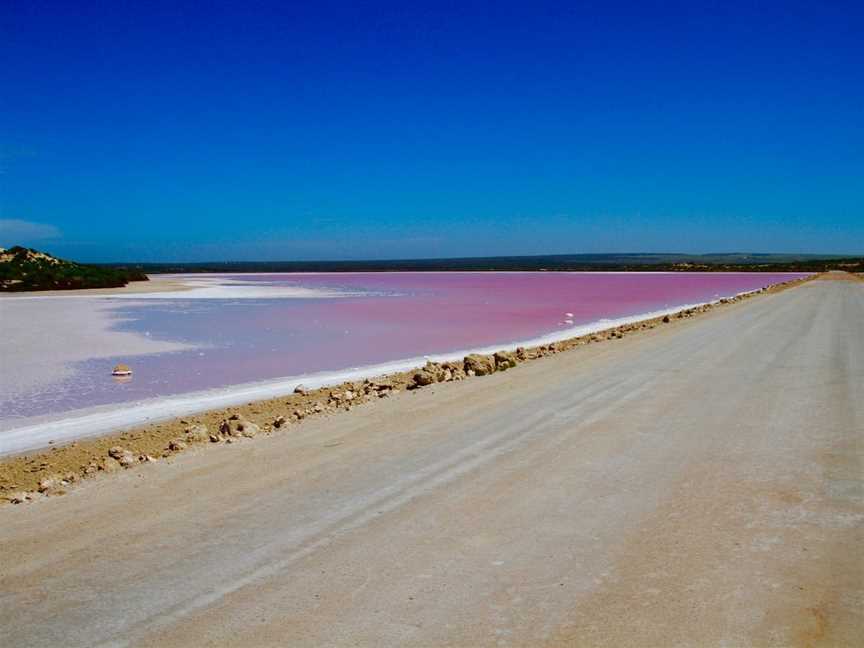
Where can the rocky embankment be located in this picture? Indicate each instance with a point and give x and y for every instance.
(48, 473)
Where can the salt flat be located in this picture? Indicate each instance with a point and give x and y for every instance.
(40, 338)
(698, 485)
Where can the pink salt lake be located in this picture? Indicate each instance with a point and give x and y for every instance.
(343, 321)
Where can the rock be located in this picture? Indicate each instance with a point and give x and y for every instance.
(239, 427)
(348, 395)
(110, 465)
(121, 455)
(481, 365)
(116, 452)
(435, 370)
(197, 433)
(214, 438)
(300, 389)
(47, 484)
(176, 445)
(248, 429)
(448, 375)
(665, 319)
(279, 421)
(505, 360)
(19, 498)
(521, 354)
(54, 485)
(318, 408)
(456, 369)
(423, 378)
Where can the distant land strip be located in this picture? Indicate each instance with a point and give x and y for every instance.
(727, 262)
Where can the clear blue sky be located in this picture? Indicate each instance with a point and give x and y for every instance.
(258, 130)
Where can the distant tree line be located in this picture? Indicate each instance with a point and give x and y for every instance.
(550, 263)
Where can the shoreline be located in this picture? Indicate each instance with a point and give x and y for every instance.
(156, 284)
(50, 471)
(72, 425)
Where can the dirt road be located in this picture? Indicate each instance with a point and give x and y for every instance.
(700, 485)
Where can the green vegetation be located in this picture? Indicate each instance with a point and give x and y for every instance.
(26, 269)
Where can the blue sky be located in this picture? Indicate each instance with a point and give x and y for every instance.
(256, 130)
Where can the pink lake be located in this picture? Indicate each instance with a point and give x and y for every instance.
(245, 330)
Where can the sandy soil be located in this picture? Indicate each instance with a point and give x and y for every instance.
(698, 484)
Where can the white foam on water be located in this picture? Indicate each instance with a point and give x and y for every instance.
(105, 419)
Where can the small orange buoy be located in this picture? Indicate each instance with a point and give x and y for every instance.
(122, 370)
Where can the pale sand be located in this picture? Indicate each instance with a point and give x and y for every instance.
(696, 485)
